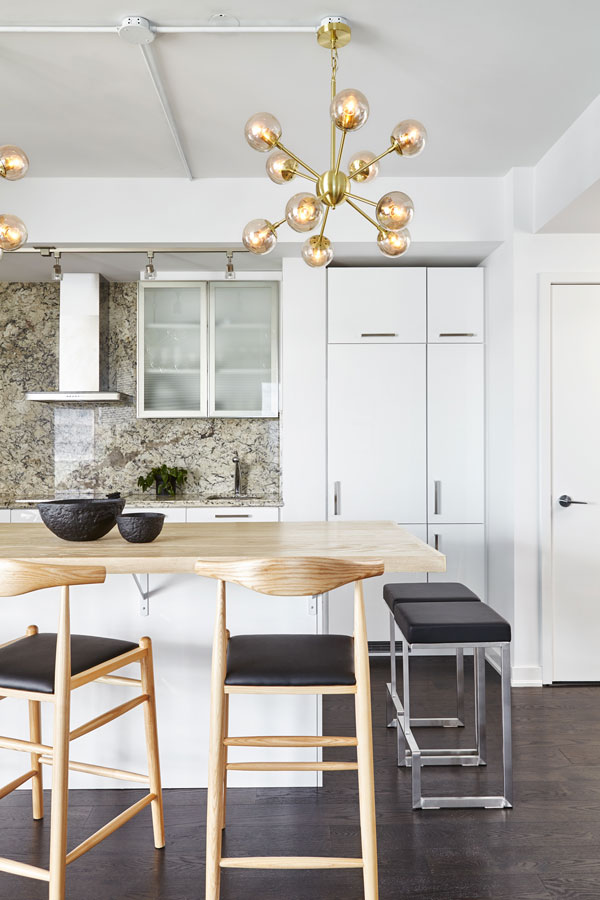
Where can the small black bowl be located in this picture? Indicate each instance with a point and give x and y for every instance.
(141, 527)
(80, 519)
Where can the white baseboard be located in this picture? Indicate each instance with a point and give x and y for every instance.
(520, 676)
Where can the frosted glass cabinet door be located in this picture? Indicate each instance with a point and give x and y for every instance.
(243, 340)
(172, 354)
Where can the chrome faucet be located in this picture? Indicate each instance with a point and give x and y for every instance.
(237, 483)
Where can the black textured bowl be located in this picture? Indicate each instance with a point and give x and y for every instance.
(142, 527)
(80, 520)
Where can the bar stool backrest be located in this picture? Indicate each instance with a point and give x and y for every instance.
(20, 577)
(291, 576)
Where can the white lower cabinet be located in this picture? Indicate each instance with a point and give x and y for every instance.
(23, 516)
(464, 549)
(233, 514)
(171, 513)
(4, 516)
(341, 611)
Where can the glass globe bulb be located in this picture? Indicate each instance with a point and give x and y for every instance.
(317, 251)
(409, 137)
(12, 232)
(359, 160)
(394, 210)
(13, 162)
(393, 243)
(349, 110)
(259, 236)
(262, 131)
(281, 168)
(303, 212)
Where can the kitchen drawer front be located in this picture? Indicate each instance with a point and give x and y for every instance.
(4, 516)
(23, 516)
(233, 514)
(376, 306)
(172, 514)
(455, 306)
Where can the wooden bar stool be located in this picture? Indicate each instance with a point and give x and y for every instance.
(290, 664)
(45, 668)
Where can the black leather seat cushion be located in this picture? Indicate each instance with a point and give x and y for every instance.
(418, 593)
(450, 621)
(28, 664)
(297, 660)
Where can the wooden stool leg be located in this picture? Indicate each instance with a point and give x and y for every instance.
(35, 735)
(151, 728)
(225, 734)
(60, 768)
(364, 750)
(214, 814)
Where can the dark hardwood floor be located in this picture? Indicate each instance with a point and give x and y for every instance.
(548, 846)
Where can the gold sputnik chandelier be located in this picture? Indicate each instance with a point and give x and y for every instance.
(305, 211)
(13, 165)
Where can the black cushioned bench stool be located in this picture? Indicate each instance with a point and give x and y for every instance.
(456, 624)
(419, 593)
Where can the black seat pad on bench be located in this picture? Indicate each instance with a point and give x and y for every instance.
(451, 622)
(420, 593)
(28, 664)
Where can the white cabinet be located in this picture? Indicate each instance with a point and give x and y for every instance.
(377, 432)
(464, 548)
(377, 612)
(172, 514)
(24, 516)
(243, 349)
(233, 514)
(376, 305)
(454, 306)
(208, 349)
(4, 516)
(455, 436)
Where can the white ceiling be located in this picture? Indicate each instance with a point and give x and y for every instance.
(495, 83)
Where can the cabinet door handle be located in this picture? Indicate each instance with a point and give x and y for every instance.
(437, 498)
(233, 516)
(436, 541)
(379, 334)
(458, 334)
(337, 498)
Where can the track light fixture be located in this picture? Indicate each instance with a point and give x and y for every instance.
(57, 272)
(150, 271)
(229, 270)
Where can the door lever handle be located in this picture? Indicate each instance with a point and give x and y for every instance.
(566, 501)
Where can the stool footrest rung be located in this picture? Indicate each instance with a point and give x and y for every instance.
(495, 802)
(14, 867)
(290, 741)
(109, 828)
(291, 862)
(292, 767)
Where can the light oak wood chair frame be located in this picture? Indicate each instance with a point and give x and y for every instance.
(296, 577)
(18, 577)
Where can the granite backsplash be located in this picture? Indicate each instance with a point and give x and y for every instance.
(49, 448)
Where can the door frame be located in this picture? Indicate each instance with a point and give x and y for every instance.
(546, 281)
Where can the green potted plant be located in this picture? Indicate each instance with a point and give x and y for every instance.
(166, 478)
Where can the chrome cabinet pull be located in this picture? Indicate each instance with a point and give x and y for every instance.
(233, 516)
(336, 498)
(379, 334)
(437, 498)
(436, 541)
(458, 334)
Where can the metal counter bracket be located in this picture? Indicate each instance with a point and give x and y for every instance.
(144, 593)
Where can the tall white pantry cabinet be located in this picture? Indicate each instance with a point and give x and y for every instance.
(405, 416)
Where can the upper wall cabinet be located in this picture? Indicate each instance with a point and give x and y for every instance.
(208, 349)
(455, 306)
(377, 305)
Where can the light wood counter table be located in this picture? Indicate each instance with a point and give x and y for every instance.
(180, 545)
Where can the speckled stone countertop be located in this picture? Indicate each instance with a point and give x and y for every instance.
(150, 500)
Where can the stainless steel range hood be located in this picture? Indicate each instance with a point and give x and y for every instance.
(83, 343)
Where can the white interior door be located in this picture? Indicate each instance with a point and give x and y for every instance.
(576, 473)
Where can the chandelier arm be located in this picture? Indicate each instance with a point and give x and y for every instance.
(390, 149)
(308, 177)
(324, 223)
(334, 63)
(276, 225)
(365, 216)
(296, 158)
(341, 150)
(362, 199)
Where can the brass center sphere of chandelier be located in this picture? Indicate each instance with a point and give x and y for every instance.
(306, 211)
